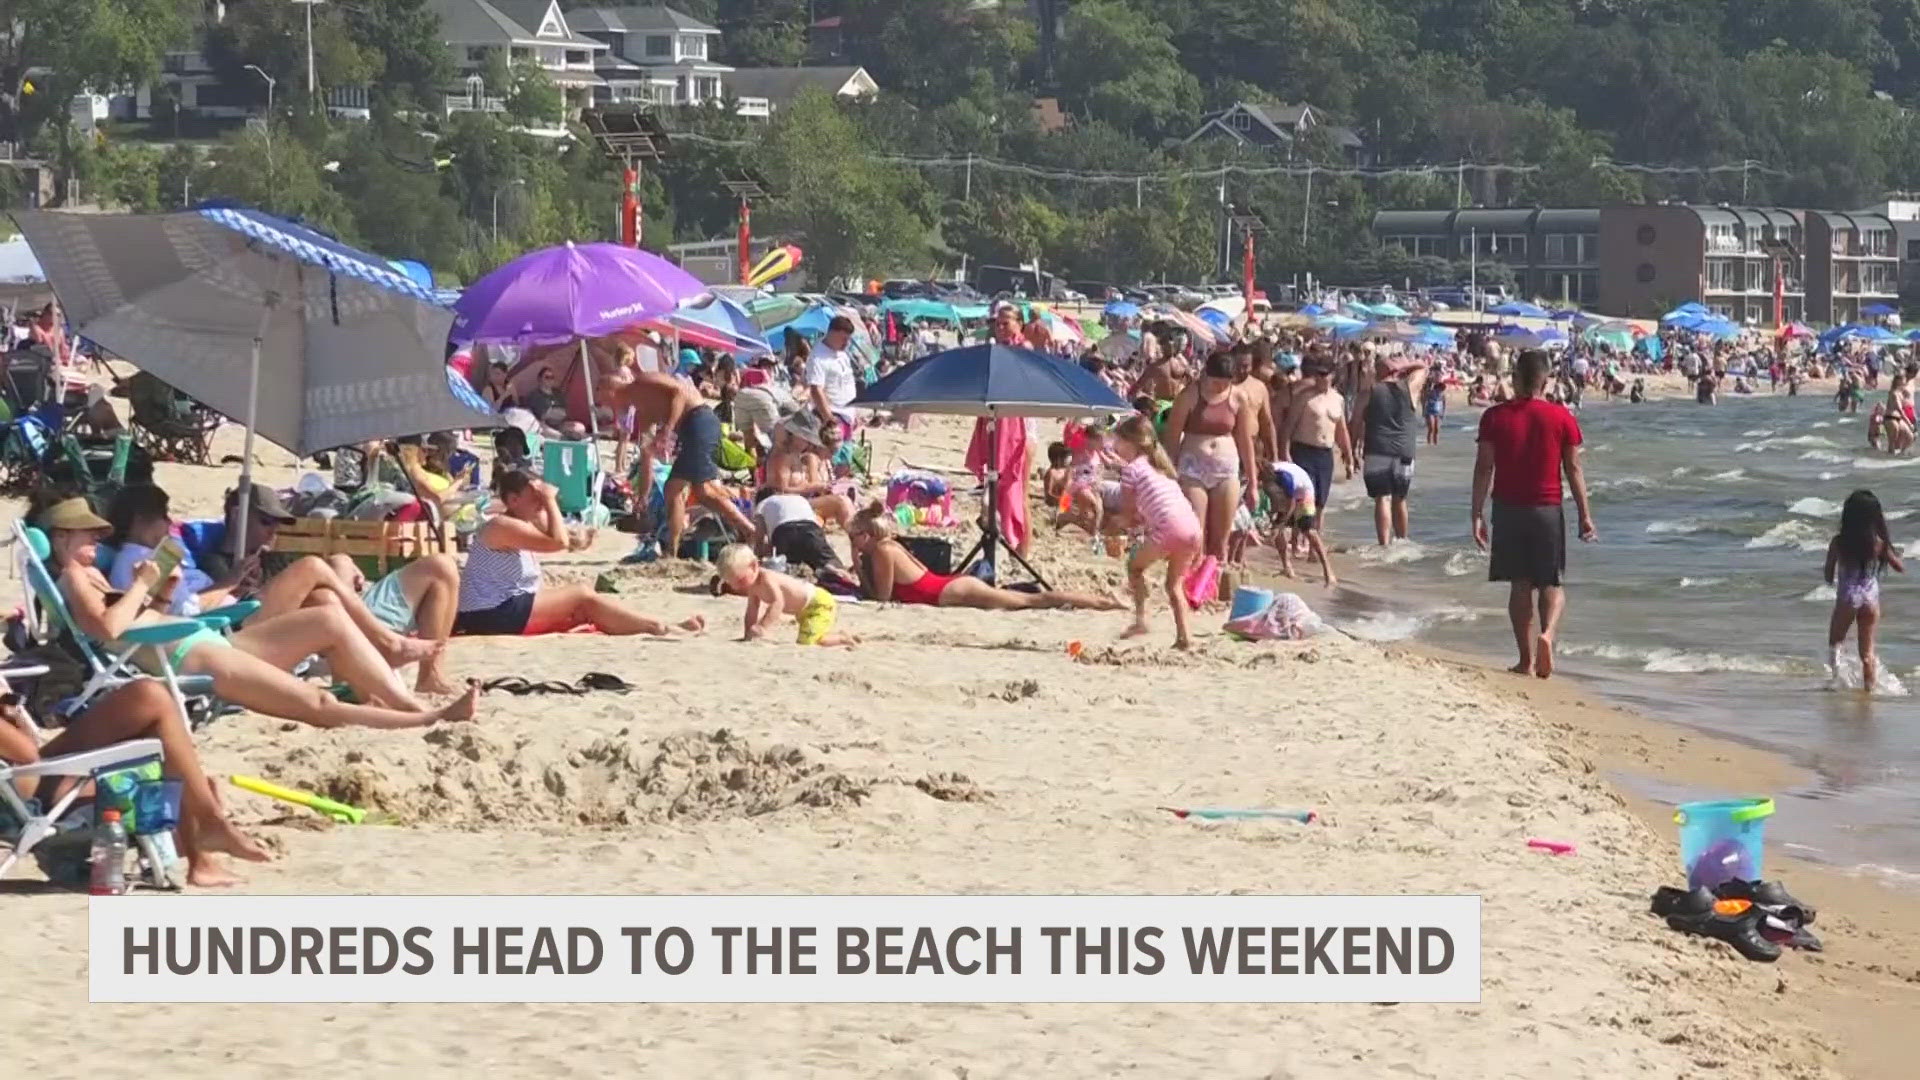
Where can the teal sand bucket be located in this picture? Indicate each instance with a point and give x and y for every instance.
(1249, 601)
(1722, 840)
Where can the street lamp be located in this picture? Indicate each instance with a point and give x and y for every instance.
(255, 68)
(272, 183)
(516, 182)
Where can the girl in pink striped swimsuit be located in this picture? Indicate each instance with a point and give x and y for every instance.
(1153, 498)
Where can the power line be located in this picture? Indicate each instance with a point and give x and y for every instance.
(1043, 172)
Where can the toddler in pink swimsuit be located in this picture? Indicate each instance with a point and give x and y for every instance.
(1153, 498)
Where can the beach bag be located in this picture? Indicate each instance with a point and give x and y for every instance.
(935, 553)
(1288, 618)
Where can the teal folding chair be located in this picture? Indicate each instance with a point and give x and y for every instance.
(108, 668)
(573, 470)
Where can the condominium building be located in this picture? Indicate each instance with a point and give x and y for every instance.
(1640, 261)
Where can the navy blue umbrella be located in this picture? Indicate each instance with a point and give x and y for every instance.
(994, 380)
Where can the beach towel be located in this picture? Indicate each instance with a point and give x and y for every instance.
(1010, 456)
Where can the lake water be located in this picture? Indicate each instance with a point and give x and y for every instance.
(1702, 603)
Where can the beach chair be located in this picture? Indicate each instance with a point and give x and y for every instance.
(706, 533)
(737, 461)
(107, 669)
(97, 472)
(24, 450)
(573, 468)
(59, 837)
(169, 425)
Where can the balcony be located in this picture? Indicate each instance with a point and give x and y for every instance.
(459, 103)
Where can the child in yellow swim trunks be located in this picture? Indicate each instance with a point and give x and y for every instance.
(771, 594)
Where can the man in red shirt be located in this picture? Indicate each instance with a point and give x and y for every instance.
(1526, 444)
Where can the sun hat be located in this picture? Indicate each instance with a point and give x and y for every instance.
(73, 515)
(803, 425)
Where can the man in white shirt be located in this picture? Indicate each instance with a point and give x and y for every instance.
(830, 384)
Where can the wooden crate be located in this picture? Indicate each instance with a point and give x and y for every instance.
(378, 546)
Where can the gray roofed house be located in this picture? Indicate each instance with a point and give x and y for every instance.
(657, 56)
(1277, 127)
(780, 86)
(643, 19)
(534, 31)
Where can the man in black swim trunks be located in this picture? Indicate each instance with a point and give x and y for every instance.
(1386, 422)
(1315, 430)
(676, 412)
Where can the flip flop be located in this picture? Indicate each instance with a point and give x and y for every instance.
(600, 680)
(1767, 894)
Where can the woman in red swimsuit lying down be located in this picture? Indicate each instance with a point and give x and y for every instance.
(889, 571)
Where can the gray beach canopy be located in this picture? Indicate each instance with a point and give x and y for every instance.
(309, 342)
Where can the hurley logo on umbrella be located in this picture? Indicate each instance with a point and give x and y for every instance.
(623, 310)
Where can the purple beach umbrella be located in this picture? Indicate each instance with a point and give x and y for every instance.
(572, 291)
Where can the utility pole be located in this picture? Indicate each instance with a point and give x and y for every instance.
(1306, 206)
(1473, 268)
(967, 196)
(516, 182)
(313, 91)
(1459, 183)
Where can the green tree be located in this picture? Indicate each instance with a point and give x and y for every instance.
(263, 166)
(59, 47)
(272, 36)
(534, 101)
(387, 177)
(121, 174)
(413, 62)
(848, 212)
(762, 33)
(1118, 64)
(932, 52)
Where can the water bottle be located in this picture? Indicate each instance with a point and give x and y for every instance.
(777, 563)
(108, 861)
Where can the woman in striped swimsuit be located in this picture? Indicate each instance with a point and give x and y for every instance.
(1151, 495)
(500, 591)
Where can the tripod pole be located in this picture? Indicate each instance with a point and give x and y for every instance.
(987, 546)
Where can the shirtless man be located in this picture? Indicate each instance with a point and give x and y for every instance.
(1280, 388)
(1160, 380)
(1316, 429)
(673, 409)
(1252, 371)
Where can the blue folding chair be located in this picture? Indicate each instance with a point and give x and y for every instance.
(109, 668)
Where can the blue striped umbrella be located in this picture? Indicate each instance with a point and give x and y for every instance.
(220, 301)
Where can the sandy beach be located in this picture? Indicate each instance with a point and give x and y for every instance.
(968, 752)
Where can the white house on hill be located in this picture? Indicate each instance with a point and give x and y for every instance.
(656, 56)
(524, 30)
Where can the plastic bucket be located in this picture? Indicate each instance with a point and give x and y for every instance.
(1722, 840)
(1248, 600)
